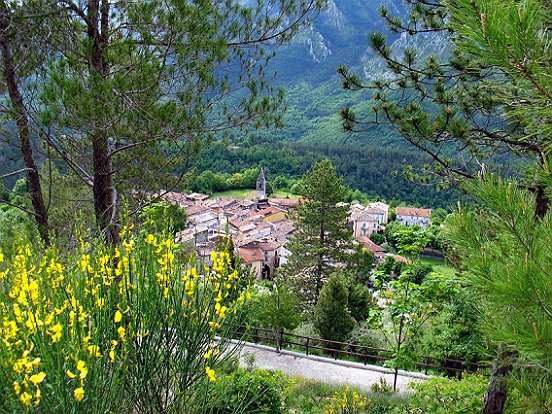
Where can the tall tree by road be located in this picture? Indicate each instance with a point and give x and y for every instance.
(322, 236)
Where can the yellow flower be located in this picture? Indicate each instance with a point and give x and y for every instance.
(79, 394)
(37, 378)
(55, 332)
(70, 374)
(94, 350)
(26, 398)
(83, 370)
(211, 374)
(118, 317)
(122, 333)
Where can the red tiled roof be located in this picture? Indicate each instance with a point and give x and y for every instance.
(284, 202)
(413, 212)
(251, 255)
(267, 212)
(370, 245)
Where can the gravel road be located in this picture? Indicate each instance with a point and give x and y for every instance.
(324, 369)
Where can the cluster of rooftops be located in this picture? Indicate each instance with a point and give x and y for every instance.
(261, 228)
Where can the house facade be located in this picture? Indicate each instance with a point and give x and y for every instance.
(410, 216)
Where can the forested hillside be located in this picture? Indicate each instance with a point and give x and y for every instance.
(374, 170)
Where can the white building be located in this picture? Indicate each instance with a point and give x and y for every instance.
(410, 216)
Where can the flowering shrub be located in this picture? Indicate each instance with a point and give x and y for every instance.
(347, 402)
(97, 330)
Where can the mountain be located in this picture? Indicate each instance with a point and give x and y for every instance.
(307, 71)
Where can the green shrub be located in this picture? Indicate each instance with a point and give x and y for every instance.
(444, 396)
(251, 392)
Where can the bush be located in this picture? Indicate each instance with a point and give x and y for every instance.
(102, 329)
(445, 396)
(365, 335)
(252, 392)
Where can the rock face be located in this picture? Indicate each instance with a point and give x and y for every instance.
(338, 35)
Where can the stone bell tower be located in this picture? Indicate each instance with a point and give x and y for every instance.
(261, 186)
(262, 198)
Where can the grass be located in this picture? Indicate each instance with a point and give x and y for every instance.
(439, 266)
(251, 194)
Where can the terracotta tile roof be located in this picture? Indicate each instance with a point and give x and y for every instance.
(251, 255)
(267, 246)
(284, 202)
(374, 210)
(379, 205)
(196, 209)
(363, 216)
(413, 212)
(268, 212)
(284, 227)
(370, 245)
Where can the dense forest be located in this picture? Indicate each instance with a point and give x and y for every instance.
(372, 170)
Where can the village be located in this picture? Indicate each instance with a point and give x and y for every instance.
(260, 228)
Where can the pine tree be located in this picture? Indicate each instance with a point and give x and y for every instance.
(139, 86)
(322, 238)
(332, 319)
(15, 64)
(487, 96)
(505, 249)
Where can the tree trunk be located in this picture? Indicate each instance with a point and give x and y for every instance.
(497, 391)
(105, 200)
(105, 203)
(542, 201)
(22, 121)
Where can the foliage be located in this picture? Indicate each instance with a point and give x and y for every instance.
(322, 237)
(364, 334)
(505, 249)
(360, 300)
(360, 263)
(367, 167)
(411, 241)
(408, 307)
(136, 319)
(276, 308)
(332, 319)
(443, 396)
(513, 40)
(378, 238)
(455, 333)
(467, 104)
(68, 200)
(15, 223)
(162, 217)
(257, 391)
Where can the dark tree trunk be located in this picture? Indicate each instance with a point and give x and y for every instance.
(105, 200)
(497, 391)
(542, 201)
(22, 121)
